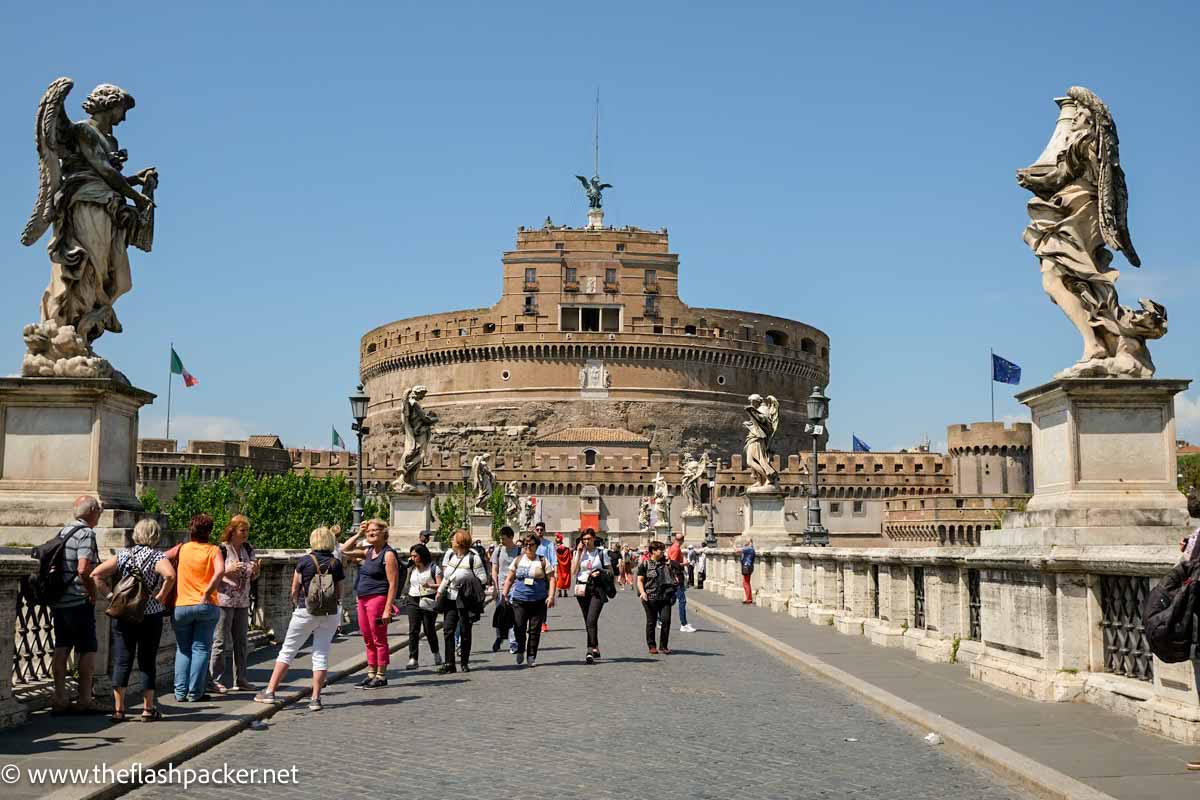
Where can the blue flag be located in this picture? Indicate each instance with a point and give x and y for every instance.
(859, 445)
(1005, 371)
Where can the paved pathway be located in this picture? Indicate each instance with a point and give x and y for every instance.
(719, 718)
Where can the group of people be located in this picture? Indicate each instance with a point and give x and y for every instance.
(203, 587)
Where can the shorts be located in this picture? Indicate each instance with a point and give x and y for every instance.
(75, 628)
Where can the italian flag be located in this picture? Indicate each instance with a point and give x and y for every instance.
(177, 369)
(338, 441)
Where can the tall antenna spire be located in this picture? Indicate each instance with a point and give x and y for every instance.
(596, 138)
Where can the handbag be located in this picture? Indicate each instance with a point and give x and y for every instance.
(130, 596)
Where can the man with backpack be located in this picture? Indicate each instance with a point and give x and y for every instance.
(64, 582)
(656, 586)
(747, 555)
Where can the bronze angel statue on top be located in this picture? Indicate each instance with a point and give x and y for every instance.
(1078, 212)
(593, 189)
(96, 212)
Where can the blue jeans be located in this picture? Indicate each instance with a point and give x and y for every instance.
(681, 598)
(194, 627)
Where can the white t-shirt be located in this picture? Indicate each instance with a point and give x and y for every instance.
(589, 562)
(535, 566)
(417, 580)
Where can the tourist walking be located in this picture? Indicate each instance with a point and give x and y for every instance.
(423, 580)
(528, 584)
(459, 566)
(678, 561)
(140, 638)
(227, 666)
(549, 552)
(74, 612)
(747, 557)
(702, 566)
(593, 574)
(316, 592)
(562, 563)
(201, 567)
(690, 559)
(656, 586)
(502, 558)
(377, 587)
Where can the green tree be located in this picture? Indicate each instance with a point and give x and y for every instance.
(1189, 471)
(496, 504)
(150, 502)
(449, 515)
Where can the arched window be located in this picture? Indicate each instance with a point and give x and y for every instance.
(808, 345)
(777, 338)
(589, 457)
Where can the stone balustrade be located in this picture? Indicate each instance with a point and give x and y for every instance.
(25, 687)
(1070, 632)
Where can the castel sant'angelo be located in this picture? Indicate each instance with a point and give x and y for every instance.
(590, 333)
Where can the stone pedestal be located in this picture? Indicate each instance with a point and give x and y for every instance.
(693, 526)
(763, 519)
(481, 526)
(662, 532)
(61, 438)
(411, 514)
(595, 219)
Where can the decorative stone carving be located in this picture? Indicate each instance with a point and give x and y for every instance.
(1078, 212)
(594, 379)
(418, 427)
(760, 429)
(662, 500)
(84, 196)
(528, 512)
(483, 481)
(644, 515)
(690, 483)
(512, 504)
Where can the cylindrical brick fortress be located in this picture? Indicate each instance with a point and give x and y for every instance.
(590, 332)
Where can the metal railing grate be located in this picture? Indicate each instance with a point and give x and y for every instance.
(974, 604)
(918, 578)
(34, 643)
(875, 591)
(1126, 650)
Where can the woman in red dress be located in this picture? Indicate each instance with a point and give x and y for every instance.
(562, 580)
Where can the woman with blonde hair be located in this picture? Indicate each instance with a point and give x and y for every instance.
(145, 561)
(320, 623)
(380, 573)
(233, 601)
(459, 563)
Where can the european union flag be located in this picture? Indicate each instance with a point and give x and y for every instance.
(859, 445)
(1005, 371)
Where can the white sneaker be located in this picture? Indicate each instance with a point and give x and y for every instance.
(686, 629)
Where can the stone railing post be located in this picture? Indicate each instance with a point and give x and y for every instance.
(943, 618)
(894, 608)
(12, 569)
(857, 599)
(825, 594)
(274, 607)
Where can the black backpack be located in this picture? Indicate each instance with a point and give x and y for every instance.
(471, 596)
(665, 586)
(51, 580)
(1169, 616)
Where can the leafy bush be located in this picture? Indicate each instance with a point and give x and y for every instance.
(150, 501)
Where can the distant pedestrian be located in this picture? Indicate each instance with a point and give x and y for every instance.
(138, 639)
(529, 584)
(74, 612)
(460, 564)
(592, 571)
(702, 566)
(320, 621)
(690, 559)
(227, 666)
(503, 556)
(678, 562)
(380, 576)
(656, 587)
(562, 573)
(549, 552)
(423, 579)
(201, 567)
(747, 557)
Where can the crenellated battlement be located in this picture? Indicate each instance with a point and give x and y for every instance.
(979, 436)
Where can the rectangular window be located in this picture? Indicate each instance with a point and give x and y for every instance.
(920, 467)
(651, 306)
(568, 319)
(610, 276)
(559, 246)
(572, 275)
(841, 467)
(899, 468)
(531, 274)
(620, 248)
(530, 304)
(651, 277)
(747, 333)
(879, 467)
(859, 467)
(859, 507)
(610, 319)
(835, 508)
(589, 319)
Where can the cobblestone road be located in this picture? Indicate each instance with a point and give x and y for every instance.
(719, 718)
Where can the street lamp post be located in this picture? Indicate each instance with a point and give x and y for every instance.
(710, 534)
(358, 409)
(466, 477)
(817, 407)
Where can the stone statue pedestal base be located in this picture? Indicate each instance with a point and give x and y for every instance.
(662, 532)
(595, 219)
(481, 527)
(693, 526)
(411, 514)
(763, 519)
(61, 438)
(1104, 466)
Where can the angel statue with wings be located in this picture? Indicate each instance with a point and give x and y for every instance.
(760, 429)
(593, 188)
(418, 429)
(96, 212)
(483, 481)
(1078, 211)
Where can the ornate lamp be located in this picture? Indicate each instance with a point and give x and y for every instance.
(817, 407)
(710, 535)
(358, 409)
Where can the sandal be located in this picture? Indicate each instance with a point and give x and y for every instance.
(151, 715)
(116, 716)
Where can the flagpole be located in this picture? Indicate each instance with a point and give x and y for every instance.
(170, 380)
(992, 382)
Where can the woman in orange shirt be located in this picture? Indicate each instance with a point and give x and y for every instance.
(200, 570)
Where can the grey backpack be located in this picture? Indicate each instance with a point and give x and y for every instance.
(321, 599)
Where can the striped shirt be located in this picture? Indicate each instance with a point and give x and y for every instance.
(81, 545)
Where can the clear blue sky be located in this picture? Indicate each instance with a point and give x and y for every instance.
(328, 168)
